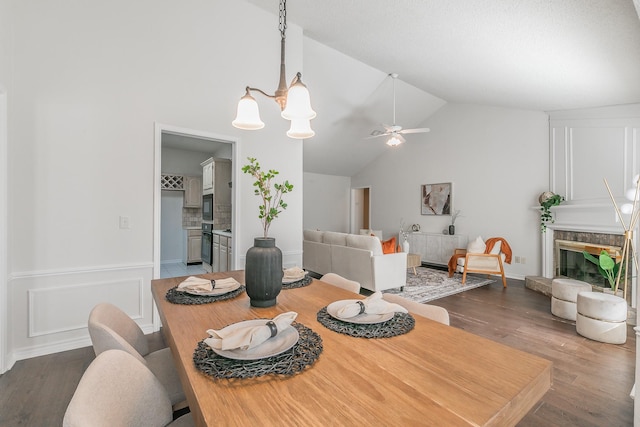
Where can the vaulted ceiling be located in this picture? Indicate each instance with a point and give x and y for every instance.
(529, 54)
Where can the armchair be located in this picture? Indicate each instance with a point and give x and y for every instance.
(482, 257)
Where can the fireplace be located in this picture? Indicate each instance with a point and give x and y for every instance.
(569, 260)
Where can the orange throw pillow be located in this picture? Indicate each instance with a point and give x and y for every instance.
(389, 246)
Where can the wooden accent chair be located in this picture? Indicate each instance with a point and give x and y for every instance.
(482, 257)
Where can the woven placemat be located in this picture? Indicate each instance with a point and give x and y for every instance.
(293, 361)
(179, 297)
(298, 283)
(399, 324)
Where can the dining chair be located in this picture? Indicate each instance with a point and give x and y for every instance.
(429, 311)
(111, 328)
(341, 282)
(118, 390)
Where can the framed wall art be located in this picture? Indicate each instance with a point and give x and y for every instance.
(436, 199)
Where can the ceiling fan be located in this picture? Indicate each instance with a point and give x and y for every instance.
(395, 132)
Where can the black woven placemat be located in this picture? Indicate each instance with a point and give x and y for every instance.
(293, 361)
(298, 283)
(399, 324)
(179, 297)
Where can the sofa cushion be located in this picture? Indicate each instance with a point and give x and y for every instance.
(389, 246)
(370, 243)
(313, 235)
(335, 238)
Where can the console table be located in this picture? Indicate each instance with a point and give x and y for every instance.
(435, 248)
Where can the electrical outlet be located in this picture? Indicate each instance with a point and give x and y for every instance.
(125, 224)
(523, 260)
(517, 259)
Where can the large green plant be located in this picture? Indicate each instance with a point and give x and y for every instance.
(607, 267)
(272, 203)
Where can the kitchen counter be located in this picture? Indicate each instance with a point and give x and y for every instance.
(222, 233)
(193, 227)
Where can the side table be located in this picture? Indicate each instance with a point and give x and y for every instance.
(413, 261)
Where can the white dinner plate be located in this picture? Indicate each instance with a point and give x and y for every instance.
(214, 292)
(364, 318)
(295, 279)
(271, 347)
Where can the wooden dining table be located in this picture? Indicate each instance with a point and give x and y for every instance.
(433, 375)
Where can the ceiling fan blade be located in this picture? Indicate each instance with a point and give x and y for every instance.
(377, 132)
(417, 130)
(376, 136)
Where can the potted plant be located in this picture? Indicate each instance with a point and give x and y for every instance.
(548, 199)
(452, 226)
(263, 265)
(607, 266)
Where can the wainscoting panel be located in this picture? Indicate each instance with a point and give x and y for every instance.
(49, 309)
(60, 309)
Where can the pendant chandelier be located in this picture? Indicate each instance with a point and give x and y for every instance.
(294, 101)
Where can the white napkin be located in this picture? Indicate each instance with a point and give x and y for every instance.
(373, 304)
(248, 337)
(293, 273)
(198, 284)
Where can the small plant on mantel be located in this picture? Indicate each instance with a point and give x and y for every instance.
(272, 203)
(548, 199)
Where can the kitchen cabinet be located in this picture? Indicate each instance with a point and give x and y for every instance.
(192, 192)
(435, 248)
(224, 253)
(215, 253)
(207, 175)
(194, 246)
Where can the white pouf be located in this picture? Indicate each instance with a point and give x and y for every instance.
(602, 317)
(564, 295)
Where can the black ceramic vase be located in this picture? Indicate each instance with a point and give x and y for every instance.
(452, 229)
(263, 272)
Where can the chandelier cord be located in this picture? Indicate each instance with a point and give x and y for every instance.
(282, 22)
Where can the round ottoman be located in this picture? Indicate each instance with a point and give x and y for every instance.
(564, 295)
(602, 317)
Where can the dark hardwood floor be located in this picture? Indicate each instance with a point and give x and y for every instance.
(591, 381)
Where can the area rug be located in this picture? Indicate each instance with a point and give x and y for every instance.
(430, 284)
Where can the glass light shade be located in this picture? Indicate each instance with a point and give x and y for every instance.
(300, 129)
(298, 103)
(394, 141)
(626, 209)
(248, 115)
(630, 194)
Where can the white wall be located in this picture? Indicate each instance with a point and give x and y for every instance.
(90, 80)
(497, 160)
(326, 202)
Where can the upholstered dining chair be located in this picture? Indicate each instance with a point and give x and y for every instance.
(111, 328)
(432, 312)
(341, 282)
(118, 390)
(482, 257)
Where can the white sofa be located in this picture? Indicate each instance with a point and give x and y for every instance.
(355, 257)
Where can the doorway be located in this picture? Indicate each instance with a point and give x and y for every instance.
(360, 209)
(184, 150)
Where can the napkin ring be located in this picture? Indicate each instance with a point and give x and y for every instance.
(213, 284)
(362, 307)
(274, 329)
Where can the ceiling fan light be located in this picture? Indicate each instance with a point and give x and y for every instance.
(298, 102)
(300, 129)
(248, 115)
(394, 141)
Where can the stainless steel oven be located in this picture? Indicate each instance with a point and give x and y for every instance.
(207, 207)
(207, 242)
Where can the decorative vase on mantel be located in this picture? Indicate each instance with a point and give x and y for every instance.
(263, 272)
(452, 230)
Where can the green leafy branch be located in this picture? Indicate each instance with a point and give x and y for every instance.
(545, 208)
(272, 203)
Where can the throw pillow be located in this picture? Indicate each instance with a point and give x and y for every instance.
(477, 246)
(389, 246)
(496, 248)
